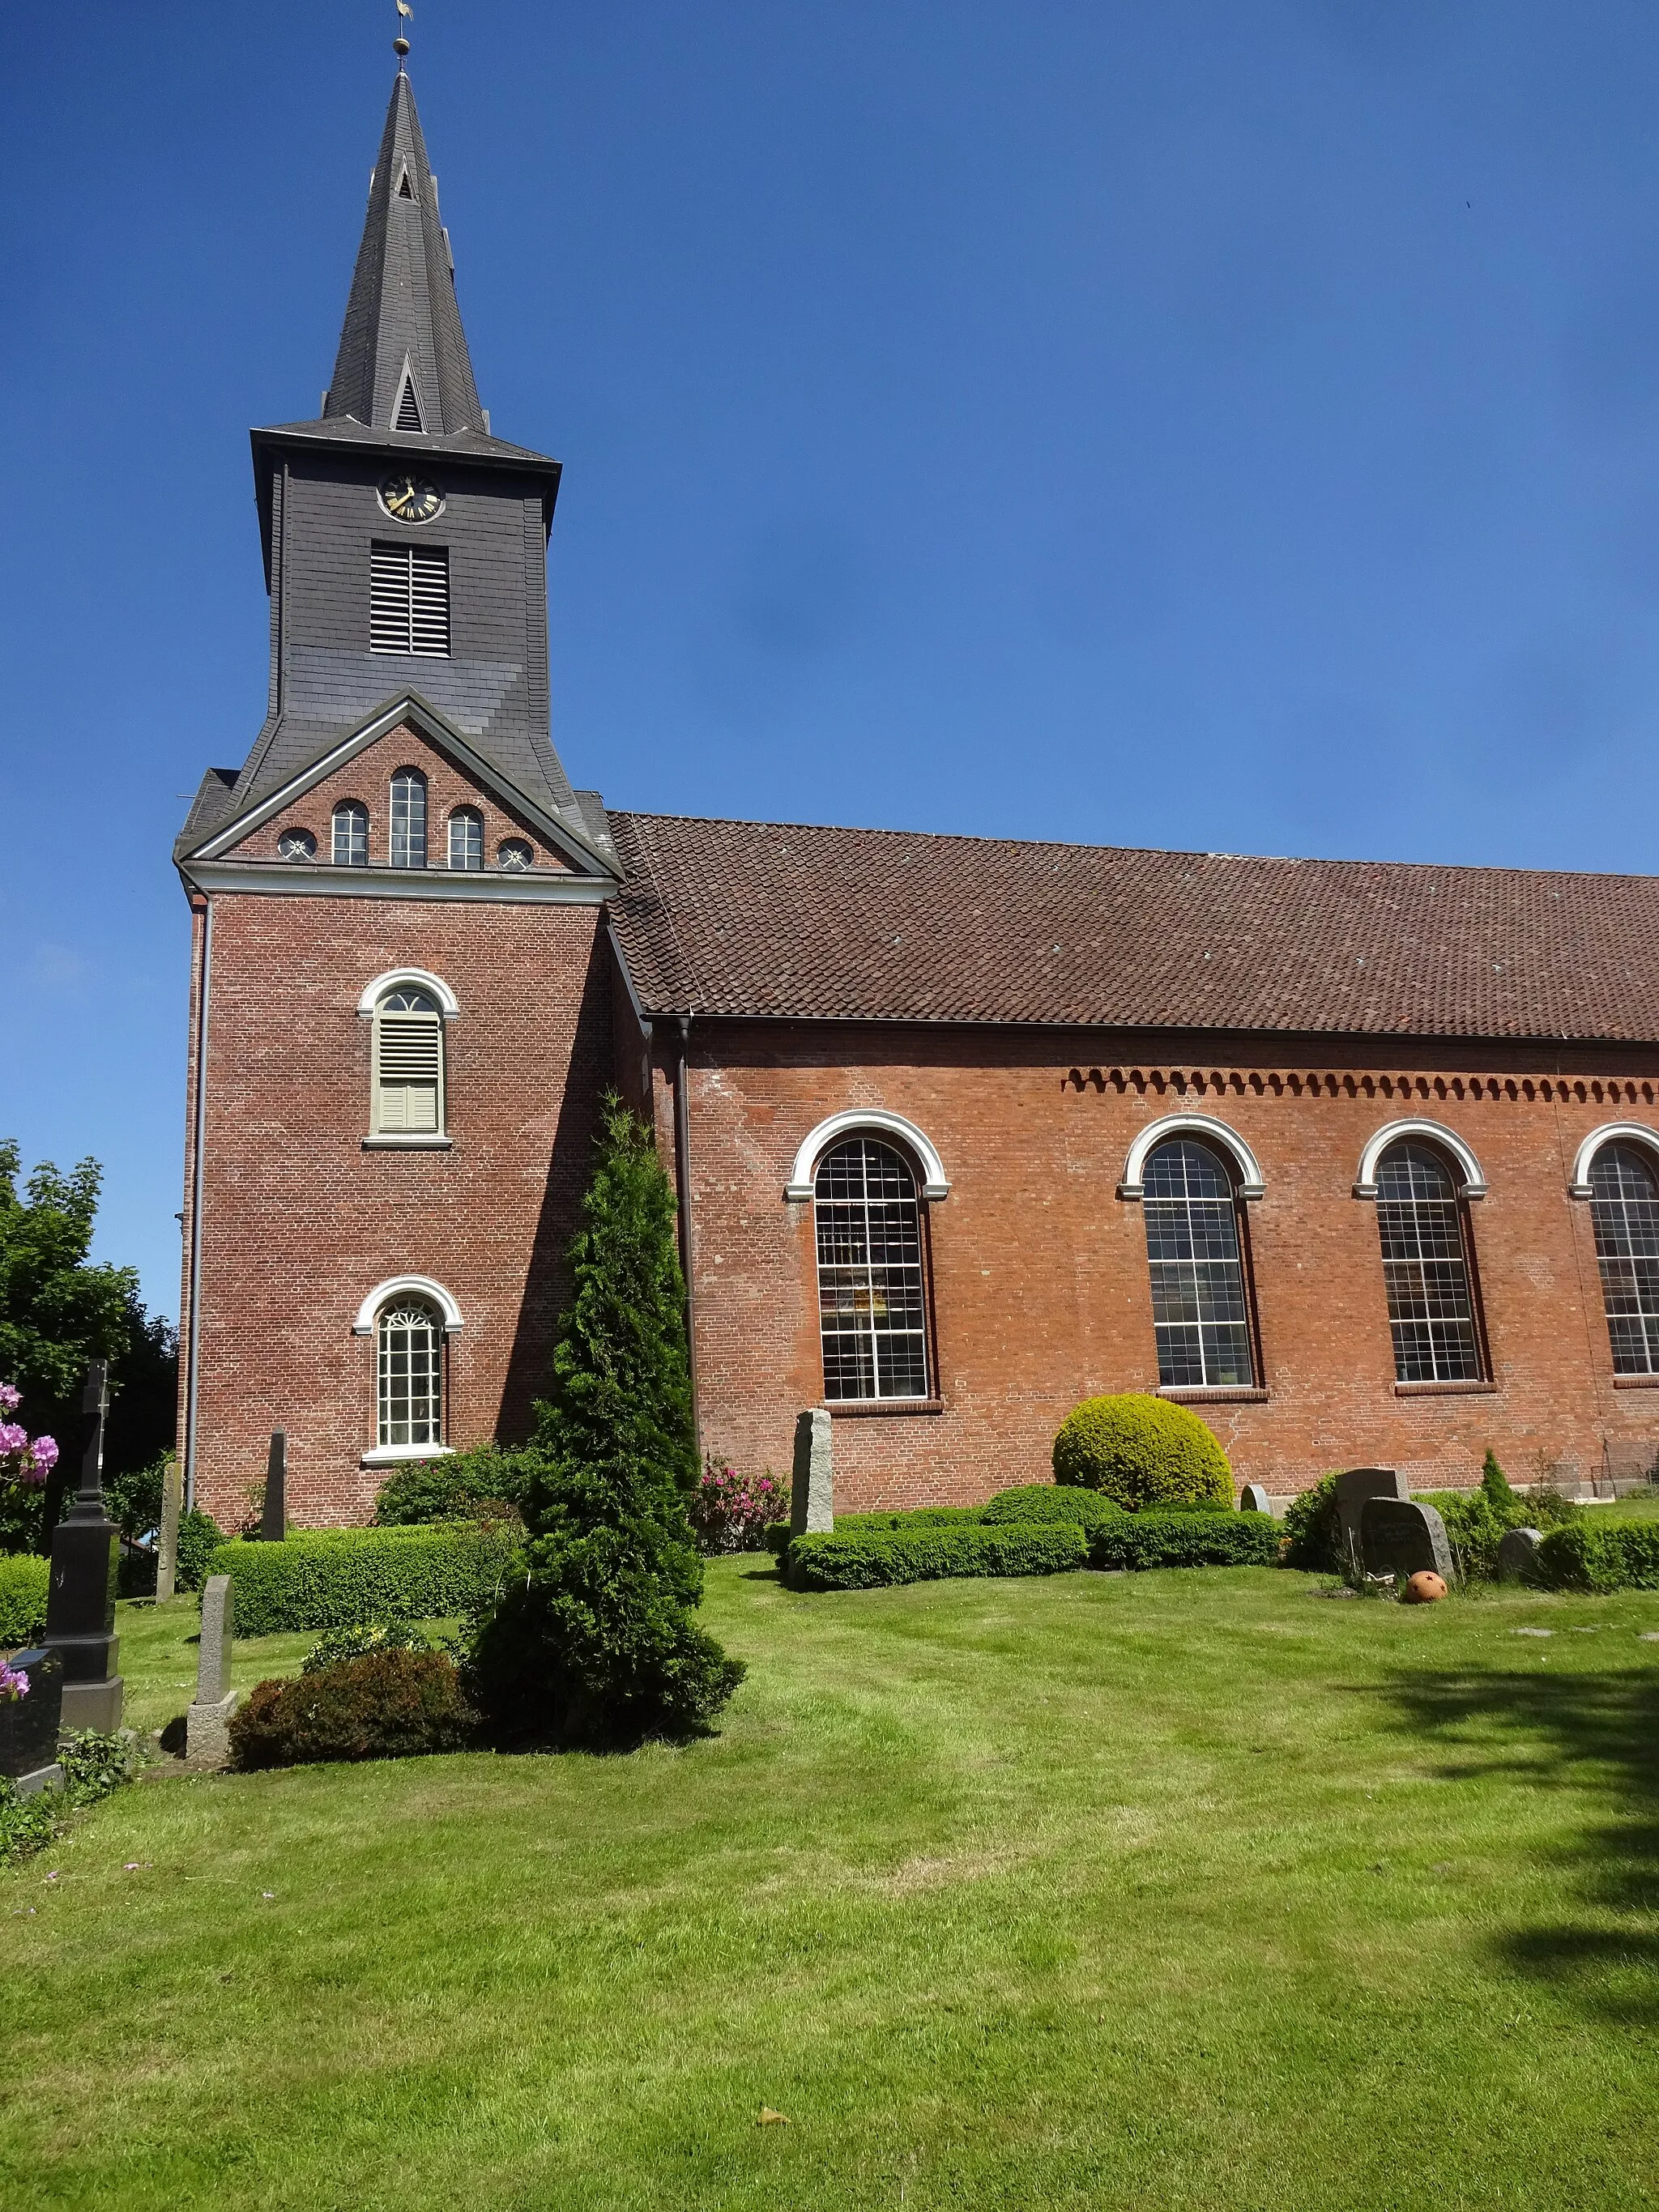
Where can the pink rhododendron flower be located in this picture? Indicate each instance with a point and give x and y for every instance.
(12, 1438)
(10, 1399)
(44, 1452)
(13, 1683)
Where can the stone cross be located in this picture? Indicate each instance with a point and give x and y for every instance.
(1401, 1537)
(167, 1554)
(1352, 1488)
(207, 1724)
(86, 1562)
(812, 1491)
(273, 1521)
(1253, 1498)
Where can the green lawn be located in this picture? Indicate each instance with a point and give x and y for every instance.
(1171, 1890)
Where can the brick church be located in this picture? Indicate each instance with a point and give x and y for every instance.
(1360, 1159)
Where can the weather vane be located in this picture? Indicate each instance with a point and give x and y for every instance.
(400, 44)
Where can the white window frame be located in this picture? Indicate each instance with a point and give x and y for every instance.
(803, 1177)
(1210, 1130)
(369, 1008)
(396, 1291)
(1610, 1132)
(1474, 1181)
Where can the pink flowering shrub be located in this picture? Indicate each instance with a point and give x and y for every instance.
(728, 1512)
(14, 1684)
(21, 1461)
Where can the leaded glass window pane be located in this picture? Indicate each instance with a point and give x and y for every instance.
(411, 1375)
(1200, 1314)
(351, 835)
(872, 1310)
(1625, 1209)
(466, 838)
(1426, 1268)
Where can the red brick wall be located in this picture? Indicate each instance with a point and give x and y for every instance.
(299, 1222)
(1040, 1270)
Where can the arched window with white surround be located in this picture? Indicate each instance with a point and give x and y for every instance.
(408, 849)
(1624, 1212)
(1195, 1254)
(409, 1063)
(350, 828)
(1426, 1264)
(408, 1337)
(873, 1292)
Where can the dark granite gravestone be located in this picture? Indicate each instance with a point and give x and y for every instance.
(86, 1559)
(273, 1520)
(28, 1725)
(1253, 1498)
(1352, 1489)
(1401, 1537)
(1517, 1552)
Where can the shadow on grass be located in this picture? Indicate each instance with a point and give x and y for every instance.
(1598, 1735)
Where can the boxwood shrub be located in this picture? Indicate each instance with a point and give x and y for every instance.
(877, 1557)
(1146, 1453)
(1186, 1540)
(338, 1578)
(23, 1580)
(1583, 1555)
(1049, 1501)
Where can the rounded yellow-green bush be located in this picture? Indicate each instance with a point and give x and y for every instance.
(1143, 1451)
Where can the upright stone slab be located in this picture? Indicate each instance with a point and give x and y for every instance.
(1517, 1552)
(86, 1561)
(207, 1724)
(812, 1492)
(29, 1725)
(273, 1519)
(1253, 1498)
(1352, 1488)
(1401, 1537)
(167, 1552)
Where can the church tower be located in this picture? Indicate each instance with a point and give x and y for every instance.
(399, 1006)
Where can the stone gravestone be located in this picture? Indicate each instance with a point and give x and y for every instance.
(1352, 1488)
(207, 1724)
(1517, 1552)
(1253, 1498)
(273, 1520)
(167, 1551)
(86, 1561)
(1399, 1537)
(29, 1724)
(812, 1491)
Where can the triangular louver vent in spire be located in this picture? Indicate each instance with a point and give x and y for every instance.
(407, 417)
(405, 190)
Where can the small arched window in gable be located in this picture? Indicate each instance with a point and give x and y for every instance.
(1625, 1209)
(871, 1278)
(1195, 1254)
(351, 835)
(409, 1358)
(409, 1065)
(408, 819)
(466, 838)
(1426, 1266)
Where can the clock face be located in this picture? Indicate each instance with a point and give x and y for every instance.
(412, 499)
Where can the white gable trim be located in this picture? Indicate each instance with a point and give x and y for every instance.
(417, 979)
(935, 1182)
(1252, 1183)
(398, 1287)
(1474, 1181)
(412, 709)
(1635, 1132)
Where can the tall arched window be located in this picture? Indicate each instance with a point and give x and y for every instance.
(351, 835)
(1200, 1305)
(1625, 1208)
(466, 838)
(872, 1292)
(409, 1343)
(408, 1064)
(1425, 1267)
(409, 819)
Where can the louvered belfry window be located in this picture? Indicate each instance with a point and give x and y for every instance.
(1625, 1210)
(1426, 1268)
(411, 1375)
(409, 1066)
(871, 1297)
(409, 599)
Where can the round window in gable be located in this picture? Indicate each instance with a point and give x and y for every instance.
(514, 853)
(296, 845)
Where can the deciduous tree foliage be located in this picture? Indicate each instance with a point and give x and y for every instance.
(595, 1644)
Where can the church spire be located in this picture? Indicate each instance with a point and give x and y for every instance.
(402, 362)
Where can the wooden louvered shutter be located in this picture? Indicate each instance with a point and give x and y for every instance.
(410, 1075)
(408, 409)
(409, 599)
(428, 599)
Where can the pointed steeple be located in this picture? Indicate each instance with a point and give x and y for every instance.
(402, 362)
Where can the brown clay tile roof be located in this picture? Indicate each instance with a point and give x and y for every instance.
(750, 919)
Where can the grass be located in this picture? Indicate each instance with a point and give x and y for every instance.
(1168, 1890)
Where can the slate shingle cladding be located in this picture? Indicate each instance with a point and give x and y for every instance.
(755, 918)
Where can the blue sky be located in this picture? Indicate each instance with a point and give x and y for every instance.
(1178, 424)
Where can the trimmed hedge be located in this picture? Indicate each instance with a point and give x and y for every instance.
(1186, 1540)
(1583, 1556)
(1143, 1452)
(775, 1535)
(879, 1558)
(23, 1581)
(340, 1577)
(1049, 1501)
(382, 1704)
